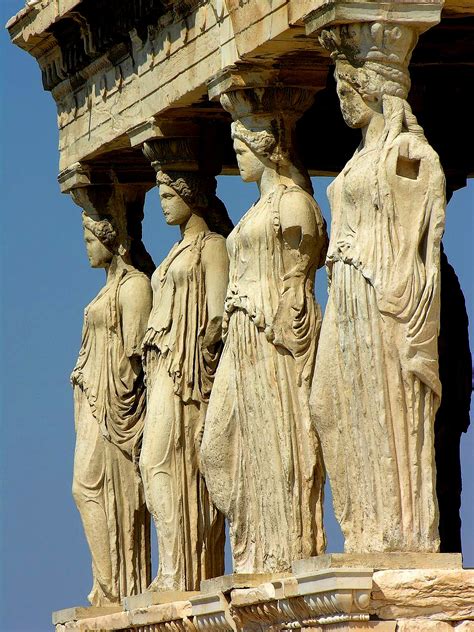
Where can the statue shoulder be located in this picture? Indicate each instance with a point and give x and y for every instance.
(134, 288)
(411, 157)
(297, 207)
(213, 247)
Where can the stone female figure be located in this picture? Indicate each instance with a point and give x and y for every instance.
(181, 350)
(262, 458)
(376, 386)
(109, 398)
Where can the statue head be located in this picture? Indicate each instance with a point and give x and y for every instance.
(112, 220)
(264, 130)
(371, 64)
(184, 193)
(101, 240)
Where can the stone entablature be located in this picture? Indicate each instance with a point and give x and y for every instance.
(332, 598)
(159, 58)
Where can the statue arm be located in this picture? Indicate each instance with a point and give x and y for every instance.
(215, 263)
(135, 300)
(415, 185)
(304, 246)
(302, 225)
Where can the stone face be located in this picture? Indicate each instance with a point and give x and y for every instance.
(434, 594)
(261, 457)
(182, 347)
(109, 396)
(376, 386)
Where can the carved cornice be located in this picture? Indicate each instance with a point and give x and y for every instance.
(90, 29)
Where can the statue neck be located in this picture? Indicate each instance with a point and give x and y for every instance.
(193, 226)
(115, 268)
(271, 178)
(372, 132)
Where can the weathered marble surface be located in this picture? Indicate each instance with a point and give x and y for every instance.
(261, 457)
(182, 347)
(376, 387)
(434, 594)
(109, 398)
(339, 600)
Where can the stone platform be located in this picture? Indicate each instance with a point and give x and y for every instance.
(431, 593)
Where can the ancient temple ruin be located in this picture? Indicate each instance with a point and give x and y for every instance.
(221, 347)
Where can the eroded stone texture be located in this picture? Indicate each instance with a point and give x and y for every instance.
(464, 626)
(434, 594)
(182, 347)
(376, 387)
(109, 396)
(261, 456)
(423, 625)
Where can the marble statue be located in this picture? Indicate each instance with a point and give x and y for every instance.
(182, 347)
(261, 457)
(109, 398)
(376, 386)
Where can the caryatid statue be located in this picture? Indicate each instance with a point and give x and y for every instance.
(181, 351)
(261, 456)
(376, 387)
(109, 396)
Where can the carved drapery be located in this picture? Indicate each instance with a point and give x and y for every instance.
(376, 387)
(259, 473)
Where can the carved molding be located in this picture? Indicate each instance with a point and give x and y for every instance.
(312, 599)
(211, 613)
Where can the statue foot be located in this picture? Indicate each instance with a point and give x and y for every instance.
(163, 584)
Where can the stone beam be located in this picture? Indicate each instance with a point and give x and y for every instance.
(159, 60)
(164, 64)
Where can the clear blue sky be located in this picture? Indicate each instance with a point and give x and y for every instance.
(46, 283)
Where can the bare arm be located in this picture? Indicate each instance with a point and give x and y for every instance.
(215, 262)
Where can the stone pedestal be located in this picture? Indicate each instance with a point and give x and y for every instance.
(320, 596)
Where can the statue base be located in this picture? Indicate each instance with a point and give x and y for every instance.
(320, 595)
(156, 598)
(78, 613)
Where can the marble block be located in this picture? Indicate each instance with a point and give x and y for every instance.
(379, 561)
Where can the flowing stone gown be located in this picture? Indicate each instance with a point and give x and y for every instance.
(180, 374)
(109, 398)
(262, 458)
(376, 386)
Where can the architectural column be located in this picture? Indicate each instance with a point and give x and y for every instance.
(260, 455)
(182, 347)
(108, 382)
(376, 388)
